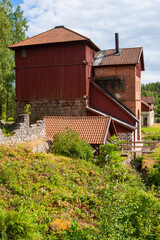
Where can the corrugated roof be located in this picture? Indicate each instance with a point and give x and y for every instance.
(93, 129)
(126, 56)
(149, 100)
(55, 35)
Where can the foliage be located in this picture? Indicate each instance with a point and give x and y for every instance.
(27, 109)
(76, 233)
(7, 130)
(18, 225)
(103, 202)
(154, 173)
(12, 28)
(138, 162)
(110, 152)
(69, 144)
(154, 176)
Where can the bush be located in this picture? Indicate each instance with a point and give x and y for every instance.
(7, 131)
(69, 144)
(110, 152)
(154, 176)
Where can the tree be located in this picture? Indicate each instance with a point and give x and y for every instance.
(12, 29)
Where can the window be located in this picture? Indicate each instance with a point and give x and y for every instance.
(24, 53)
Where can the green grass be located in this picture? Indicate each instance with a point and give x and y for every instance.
(151, 133)
(108, 202)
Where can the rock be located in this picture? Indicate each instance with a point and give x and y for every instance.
(41, 148)
(48, 145)
(59, 224)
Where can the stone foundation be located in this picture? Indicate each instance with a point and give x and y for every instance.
(127, 137)
(64, 107)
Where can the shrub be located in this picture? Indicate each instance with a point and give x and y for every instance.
(154, 176)
(110, 152)
(7, 130)
(27, 109)
(69, 144)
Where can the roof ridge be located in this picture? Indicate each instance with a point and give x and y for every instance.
(78, 116)
(32, 40)
(32, 37)
(125, 48)
(77, 33)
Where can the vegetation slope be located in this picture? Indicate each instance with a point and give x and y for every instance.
(101, 200)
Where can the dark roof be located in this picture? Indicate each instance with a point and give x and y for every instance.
(56, 35)
(149, 100)
(93, 129)
(126, 56)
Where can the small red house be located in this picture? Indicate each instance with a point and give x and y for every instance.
(147, 111)
(63, 73)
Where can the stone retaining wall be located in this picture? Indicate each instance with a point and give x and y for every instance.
(22, 131)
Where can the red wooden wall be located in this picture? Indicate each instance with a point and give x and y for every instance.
(144, 108)
(101, 102)
(56, 71)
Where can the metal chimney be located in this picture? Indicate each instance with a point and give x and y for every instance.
(117, 43)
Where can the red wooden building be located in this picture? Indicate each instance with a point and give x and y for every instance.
(62, 73)
(147, 111)
(52, 72)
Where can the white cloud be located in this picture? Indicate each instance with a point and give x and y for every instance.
(148, 77)
(136, 21)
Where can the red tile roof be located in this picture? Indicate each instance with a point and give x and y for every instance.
(149, 100)
(93, 129)
(126, 56)
(56, 35)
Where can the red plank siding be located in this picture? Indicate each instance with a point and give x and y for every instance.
(51, 72)
(121, 129)
(106, 105)
(144, 108)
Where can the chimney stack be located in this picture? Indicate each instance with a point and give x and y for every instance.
(117, 43)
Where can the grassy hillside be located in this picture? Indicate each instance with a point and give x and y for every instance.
(107, 202)
(151, 133)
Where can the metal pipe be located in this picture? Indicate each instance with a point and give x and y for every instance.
(117, 43)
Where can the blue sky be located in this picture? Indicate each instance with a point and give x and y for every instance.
(136, 21)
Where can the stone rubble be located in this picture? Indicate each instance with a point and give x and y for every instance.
(22, 131)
